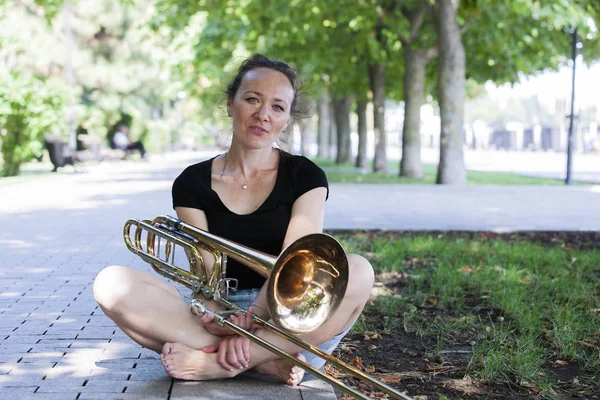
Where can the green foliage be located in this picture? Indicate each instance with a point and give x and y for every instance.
(346, 173)
(29, 109)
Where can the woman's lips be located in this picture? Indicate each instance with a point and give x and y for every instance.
(258, 130)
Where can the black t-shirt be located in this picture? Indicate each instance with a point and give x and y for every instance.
(265, 228)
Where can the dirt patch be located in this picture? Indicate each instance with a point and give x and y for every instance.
(414, 364)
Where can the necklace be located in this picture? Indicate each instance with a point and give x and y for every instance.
(244, 185)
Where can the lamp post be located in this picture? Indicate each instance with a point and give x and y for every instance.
(571, 139)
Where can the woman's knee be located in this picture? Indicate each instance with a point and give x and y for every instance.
(362, 276)
(111, 286)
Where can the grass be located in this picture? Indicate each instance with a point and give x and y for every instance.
(521, 305)
(347, 173)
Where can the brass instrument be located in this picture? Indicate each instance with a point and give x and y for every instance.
(307, 283)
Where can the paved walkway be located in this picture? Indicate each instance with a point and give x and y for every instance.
(58, 232)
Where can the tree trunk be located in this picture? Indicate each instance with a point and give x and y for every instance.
(324, 126)
(332, 132)
(377, 79)
(451, 81)
(306, 136)
(343, 107)
(361, 112)
(285, 139)
(414, 95)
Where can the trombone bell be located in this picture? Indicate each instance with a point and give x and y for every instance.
(307, 283)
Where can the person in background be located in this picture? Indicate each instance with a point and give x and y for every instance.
(122, 140)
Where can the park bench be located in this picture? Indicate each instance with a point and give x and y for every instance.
(94, 150)
(59, 152)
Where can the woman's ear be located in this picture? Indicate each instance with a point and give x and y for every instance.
(228, 108)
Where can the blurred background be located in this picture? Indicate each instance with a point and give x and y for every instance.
(392, 87)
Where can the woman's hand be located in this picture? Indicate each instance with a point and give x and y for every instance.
(234, 351)
(239, 319)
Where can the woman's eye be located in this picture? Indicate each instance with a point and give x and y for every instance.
(278, 108)
(252, 100)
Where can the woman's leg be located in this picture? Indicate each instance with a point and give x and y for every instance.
(148, 309)
(357, 294)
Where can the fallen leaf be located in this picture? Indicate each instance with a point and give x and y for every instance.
(372, 347)
(389, 379)
(431, 302)
(560, 363)
(357, 362)
(374, 336)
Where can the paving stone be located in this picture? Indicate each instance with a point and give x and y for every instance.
(60, 346)
(162, 386)
(103, 375)
(15, 347)
(27, 371)
(50, 396)
(14, 393)
(238, 388)
(98, 333)
(29, 330)
(53, 357)
(21, 339)
(122, 396)
(10, 357)
(66, 390)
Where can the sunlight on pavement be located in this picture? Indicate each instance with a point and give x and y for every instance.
(16, 244)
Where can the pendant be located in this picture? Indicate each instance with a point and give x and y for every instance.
(245, 187)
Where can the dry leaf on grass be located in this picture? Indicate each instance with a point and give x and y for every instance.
(369, 369)
(372, 336)
(395, 377)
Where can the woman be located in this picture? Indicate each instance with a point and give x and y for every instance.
(258, 196)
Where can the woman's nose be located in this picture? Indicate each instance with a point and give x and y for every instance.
(263, 112)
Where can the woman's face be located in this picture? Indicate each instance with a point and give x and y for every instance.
(260, 108)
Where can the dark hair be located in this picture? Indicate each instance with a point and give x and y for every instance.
(261, 61)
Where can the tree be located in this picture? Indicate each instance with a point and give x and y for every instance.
(415, 63)
(451, 94)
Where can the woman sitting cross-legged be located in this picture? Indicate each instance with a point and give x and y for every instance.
(254, 194)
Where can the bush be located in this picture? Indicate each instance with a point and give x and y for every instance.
(29, 109)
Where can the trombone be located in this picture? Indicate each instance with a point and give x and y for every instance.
(306, 285)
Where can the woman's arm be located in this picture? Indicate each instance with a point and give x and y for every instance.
(307, 217)
(197, 218)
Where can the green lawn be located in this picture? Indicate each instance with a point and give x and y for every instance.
(346, 173)
(521, 305)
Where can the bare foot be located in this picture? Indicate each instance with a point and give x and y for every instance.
(283, 370)
(183, 362)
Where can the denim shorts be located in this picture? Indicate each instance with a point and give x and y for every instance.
(244, 297)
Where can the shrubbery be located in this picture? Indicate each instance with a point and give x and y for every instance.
(29, 109)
